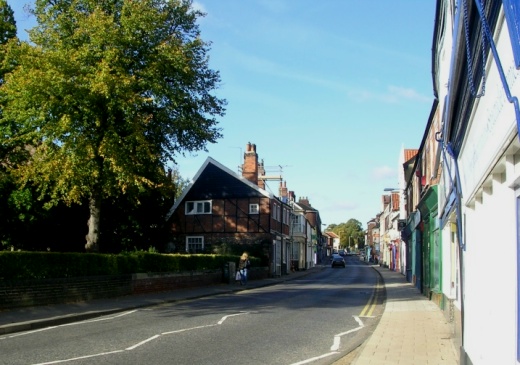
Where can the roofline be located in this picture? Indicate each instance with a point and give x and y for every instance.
(223, 168)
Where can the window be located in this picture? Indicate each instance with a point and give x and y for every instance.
(198, 207)
(276, 212)
(254, 209)
(195, 244)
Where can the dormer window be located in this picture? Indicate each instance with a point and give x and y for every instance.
(198, 207)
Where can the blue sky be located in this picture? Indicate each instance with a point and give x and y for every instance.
(329, 90)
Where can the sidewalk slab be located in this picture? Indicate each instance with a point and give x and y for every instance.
(412, 329)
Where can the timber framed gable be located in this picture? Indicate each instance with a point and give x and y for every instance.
(230, 208)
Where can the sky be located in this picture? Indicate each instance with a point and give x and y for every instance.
(330, 92)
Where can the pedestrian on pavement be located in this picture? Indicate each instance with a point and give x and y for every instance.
(243, 266)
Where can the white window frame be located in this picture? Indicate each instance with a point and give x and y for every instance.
(254, 208)
(198, 207)
(194, 241)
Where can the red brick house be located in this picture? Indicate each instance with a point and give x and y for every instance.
(221, 207)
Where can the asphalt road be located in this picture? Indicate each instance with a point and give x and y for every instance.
(317, 319)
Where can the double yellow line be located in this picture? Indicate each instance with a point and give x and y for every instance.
(372, 302)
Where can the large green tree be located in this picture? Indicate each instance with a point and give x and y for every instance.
(351, 233)
(8, 199)
(106, 94)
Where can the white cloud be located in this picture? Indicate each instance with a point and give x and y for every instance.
(393, 95)
(401, 93)
(383, 172)
(198, 6)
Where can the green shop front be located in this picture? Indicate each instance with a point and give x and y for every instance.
(431, 284)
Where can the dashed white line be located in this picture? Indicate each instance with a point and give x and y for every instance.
(187, 329)
(142, 342)
(79, 358)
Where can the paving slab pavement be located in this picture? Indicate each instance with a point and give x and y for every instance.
(411, 331)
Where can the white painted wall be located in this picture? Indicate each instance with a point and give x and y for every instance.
(489, 207)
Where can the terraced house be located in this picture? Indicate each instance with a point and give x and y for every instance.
(462, 195)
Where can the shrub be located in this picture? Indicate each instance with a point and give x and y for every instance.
(41, 265)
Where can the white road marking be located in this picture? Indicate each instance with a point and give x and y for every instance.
(69, 324)
(315, 358)
(335, 346)
(79, 358)
(145, 341)
(187, 329)
(337, 338)
(231, 315)
(142, 342)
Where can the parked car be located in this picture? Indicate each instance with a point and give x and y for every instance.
(337, 260)
(341, 252)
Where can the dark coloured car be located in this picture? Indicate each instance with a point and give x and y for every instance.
(337, 260)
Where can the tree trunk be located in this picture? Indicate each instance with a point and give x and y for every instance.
(93, 223)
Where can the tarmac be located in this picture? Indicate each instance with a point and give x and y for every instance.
(411, 331)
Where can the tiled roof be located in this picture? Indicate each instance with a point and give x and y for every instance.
(410, 153)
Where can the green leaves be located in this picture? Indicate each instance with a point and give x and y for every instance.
(7, 22)
(106, 95)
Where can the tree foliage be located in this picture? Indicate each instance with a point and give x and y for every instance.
(351, 233)
(7, 22)
(107, 93)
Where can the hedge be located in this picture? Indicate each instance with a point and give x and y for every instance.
(45, 265)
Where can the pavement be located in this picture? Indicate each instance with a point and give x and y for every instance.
(412, 330)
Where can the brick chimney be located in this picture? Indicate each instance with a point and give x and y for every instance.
(284, 194)
(395, 201)
(304, 200)
(250, 166)
(385, 200)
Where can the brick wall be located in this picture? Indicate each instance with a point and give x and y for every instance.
(29, 293)
(146, 283)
